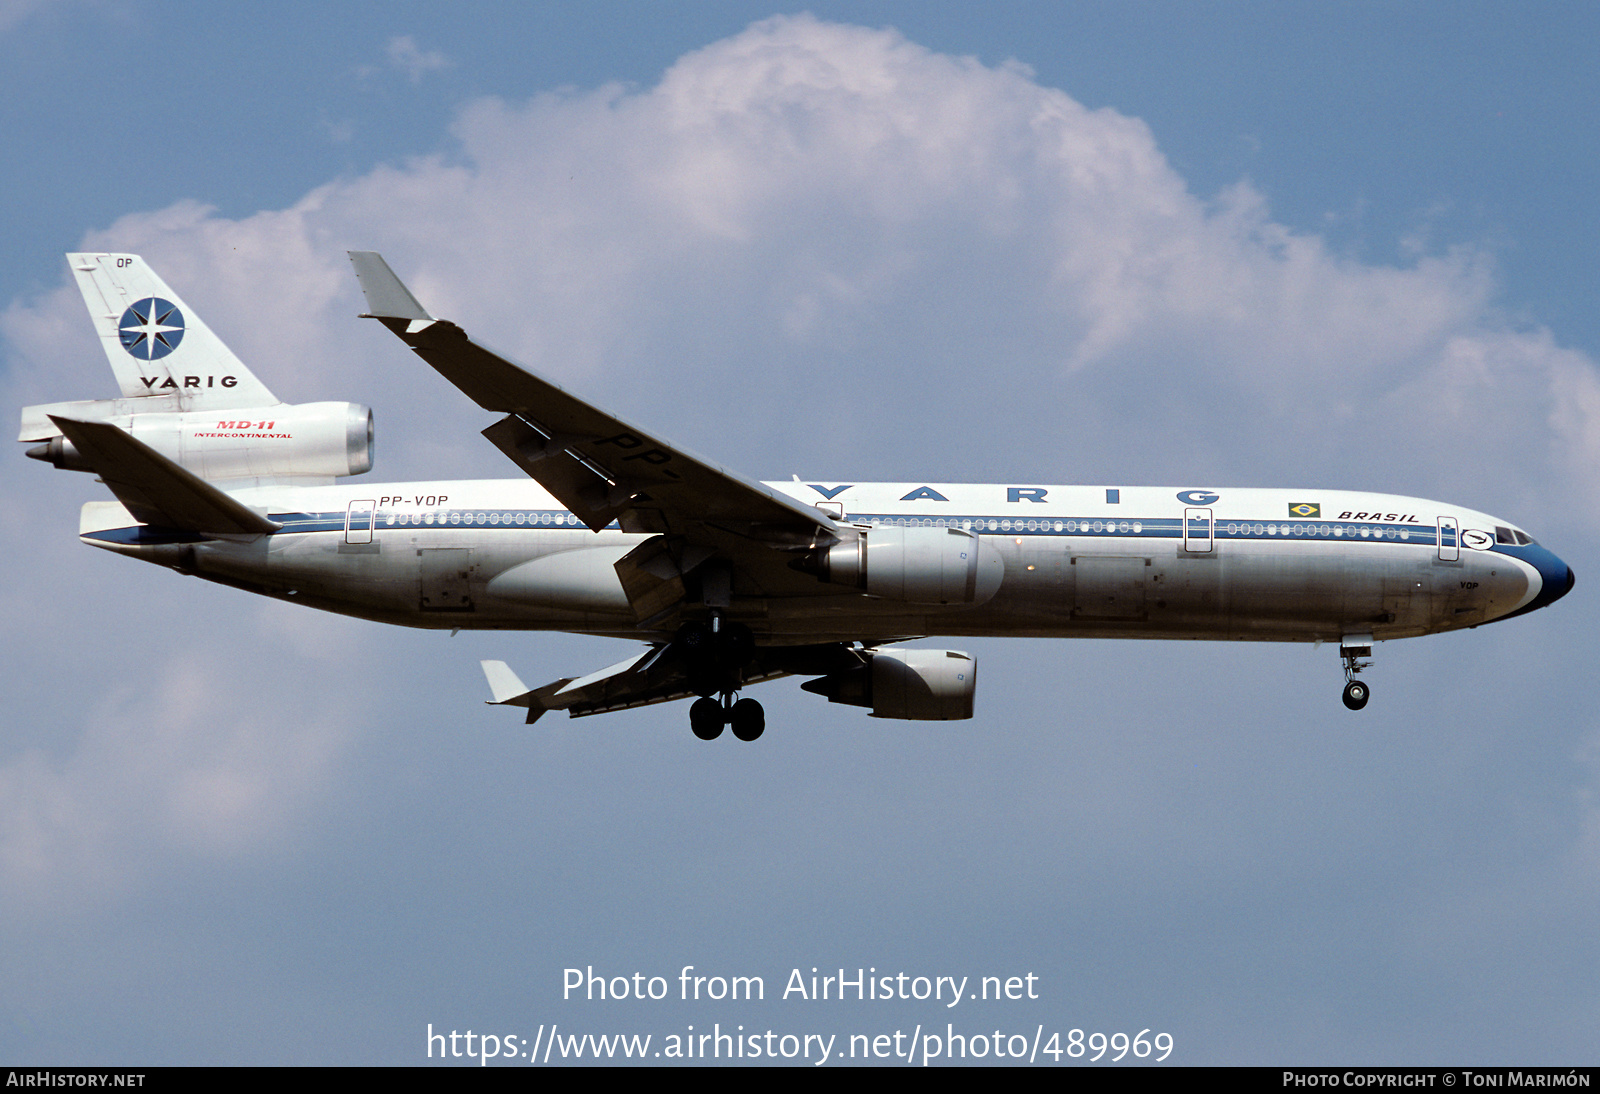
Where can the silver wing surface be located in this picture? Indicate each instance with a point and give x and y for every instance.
(600, 467)
(727, 531)
(659, 674)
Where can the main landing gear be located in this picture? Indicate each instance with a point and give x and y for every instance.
(1353, 648)
(708, 715)
(717, 655)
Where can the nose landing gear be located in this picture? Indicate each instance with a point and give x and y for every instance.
(1356, 695)
(1353, 648)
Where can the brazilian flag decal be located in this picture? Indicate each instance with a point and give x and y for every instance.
(1305, 510)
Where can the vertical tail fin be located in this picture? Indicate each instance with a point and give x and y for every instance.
(155, 342)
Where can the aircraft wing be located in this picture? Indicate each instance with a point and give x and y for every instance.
(598, 466)
(653, 676)
(656, 675)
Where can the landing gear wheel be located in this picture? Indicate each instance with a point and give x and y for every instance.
(1356, 695)
(705, 718)
(748, 719)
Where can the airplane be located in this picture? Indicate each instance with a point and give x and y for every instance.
(726, 582)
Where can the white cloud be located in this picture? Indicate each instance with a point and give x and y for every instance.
(404, 54)
(190, 760)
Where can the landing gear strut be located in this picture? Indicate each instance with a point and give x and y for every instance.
(717, 655)
(1353, 648)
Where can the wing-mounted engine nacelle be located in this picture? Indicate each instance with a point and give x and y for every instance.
(918, 685)
(312, 440)
(917, 565)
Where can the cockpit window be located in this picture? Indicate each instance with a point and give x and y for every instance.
(1523, 538)
(1502, 534)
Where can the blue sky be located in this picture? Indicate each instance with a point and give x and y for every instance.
(1225, 244)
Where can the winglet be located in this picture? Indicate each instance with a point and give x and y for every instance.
(509, 691)
(156, 490)
(504, 685)
(387, 297)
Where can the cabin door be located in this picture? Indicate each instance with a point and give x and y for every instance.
(358, 521)
(1197, 530)
(1449, 540)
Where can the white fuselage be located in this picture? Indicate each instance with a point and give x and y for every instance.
(729, 582)
(1089, 561)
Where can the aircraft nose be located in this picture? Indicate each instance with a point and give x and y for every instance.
(1556, 576)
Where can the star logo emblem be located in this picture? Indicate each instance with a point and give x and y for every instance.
(151, 328)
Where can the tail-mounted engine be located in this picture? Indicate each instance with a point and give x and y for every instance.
(917, 565)
(919, 685)
(312, 440)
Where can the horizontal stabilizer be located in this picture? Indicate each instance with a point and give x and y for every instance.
(156, 490)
